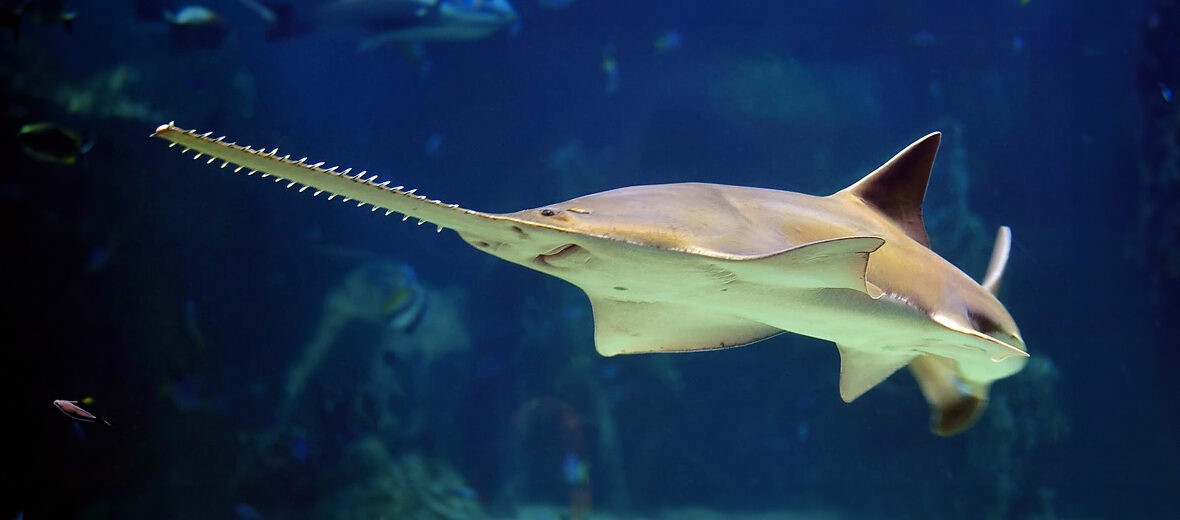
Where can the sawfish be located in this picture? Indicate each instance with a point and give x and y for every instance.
(693, 266)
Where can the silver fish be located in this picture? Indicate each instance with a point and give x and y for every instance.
(384, 21)
(75, 412)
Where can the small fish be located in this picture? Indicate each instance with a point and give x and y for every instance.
(405, 306)
(75, 412)
(396, 301)
(49, 142)
(385, 21)
(1165, 92)
(405, 309)
(196, 26)
(193, 15)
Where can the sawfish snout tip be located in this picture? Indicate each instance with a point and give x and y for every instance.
(163, 128)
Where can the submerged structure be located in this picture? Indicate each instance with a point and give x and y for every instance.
(693, 266)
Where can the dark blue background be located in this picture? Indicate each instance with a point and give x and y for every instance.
(1052, 129)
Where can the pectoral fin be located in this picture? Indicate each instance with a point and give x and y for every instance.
(837, 263)
(646, 327)
(862, 369)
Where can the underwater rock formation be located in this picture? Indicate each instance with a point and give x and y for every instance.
(355, 404)
(409, 328)
(1021, 421)
(133, 90)
(407, 486)
(107, 94)
(363, 296)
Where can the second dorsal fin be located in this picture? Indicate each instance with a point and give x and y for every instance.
(897, 188)
(995, 268)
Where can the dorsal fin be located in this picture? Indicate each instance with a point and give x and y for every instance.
(897, 188)
(995, 268)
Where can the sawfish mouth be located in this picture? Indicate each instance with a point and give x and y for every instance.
(559, 253)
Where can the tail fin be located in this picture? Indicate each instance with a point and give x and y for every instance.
(955, 404)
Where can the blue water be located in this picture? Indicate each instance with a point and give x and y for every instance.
(179, 298)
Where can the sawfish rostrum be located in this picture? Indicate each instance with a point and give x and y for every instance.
(694, 266)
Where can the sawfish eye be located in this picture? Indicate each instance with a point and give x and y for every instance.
(548, 212)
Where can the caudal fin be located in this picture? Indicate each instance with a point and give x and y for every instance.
(955, 404)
